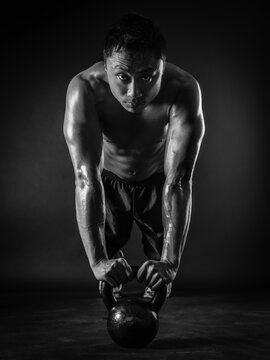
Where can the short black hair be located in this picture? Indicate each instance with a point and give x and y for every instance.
(136, 33)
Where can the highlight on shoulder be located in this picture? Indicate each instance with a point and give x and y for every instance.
(91, 82)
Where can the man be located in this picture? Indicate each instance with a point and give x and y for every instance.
(134, 125)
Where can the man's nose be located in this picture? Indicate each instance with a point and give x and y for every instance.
(134, 91)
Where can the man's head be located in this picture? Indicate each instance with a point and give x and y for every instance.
(134, 57)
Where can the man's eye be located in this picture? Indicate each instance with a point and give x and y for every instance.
(122, 77)
(147, 78)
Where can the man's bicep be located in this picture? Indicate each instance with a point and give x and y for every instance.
(82, 131)
(183, 144)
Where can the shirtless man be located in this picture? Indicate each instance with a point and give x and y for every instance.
(133, 126)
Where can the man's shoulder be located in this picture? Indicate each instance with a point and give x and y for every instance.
(178, 80)
(91, 80)
(184, 90)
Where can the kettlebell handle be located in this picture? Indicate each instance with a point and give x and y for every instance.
(106, 292)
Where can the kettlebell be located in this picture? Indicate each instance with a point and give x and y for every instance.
(132, 322)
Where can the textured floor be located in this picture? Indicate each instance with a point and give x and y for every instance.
(37, 326)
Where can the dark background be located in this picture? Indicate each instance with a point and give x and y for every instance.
(224, 46)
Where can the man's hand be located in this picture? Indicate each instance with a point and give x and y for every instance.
(155, 273)
(114, 271)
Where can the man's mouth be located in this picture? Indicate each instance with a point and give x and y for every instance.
(134, 102)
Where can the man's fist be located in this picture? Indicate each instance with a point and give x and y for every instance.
(155, 273)
(114, 271)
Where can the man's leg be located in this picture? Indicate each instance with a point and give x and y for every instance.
(148, 217)
(119, 217)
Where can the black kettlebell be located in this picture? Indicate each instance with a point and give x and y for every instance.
(132, 322)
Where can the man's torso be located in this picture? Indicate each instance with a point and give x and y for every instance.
(134, 143)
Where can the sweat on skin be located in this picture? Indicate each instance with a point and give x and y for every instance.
(144, 86)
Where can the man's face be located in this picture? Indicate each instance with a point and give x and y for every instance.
(134, 78)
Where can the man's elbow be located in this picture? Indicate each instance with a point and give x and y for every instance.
(86, 179)
(181, 178)
(185, 183)
(81, 180)
(182, 184)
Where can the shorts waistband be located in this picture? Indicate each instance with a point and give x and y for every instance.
(151, 179)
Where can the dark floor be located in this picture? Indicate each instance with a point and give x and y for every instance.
(52, 326)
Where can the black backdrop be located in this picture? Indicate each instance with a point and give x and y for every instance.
(224, 46)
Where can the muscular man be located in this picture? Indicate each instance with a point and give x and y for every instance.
(134, 125)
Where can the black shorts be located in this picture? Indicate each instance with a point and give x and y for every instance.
(139, 201)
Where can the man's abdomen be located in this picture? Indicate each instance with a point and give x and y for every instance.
(134, 164)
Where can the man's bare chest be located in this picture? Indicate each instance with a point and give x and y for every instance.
(133, 131)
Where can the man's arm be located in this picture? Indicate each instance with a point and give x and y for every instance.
(185, 134)
(84, 140)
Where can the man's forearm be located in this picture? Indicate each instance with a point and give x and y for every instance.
(176, 213)
(90, 213)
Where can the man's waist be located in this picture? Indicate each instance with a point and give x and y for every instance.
(159, 174)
